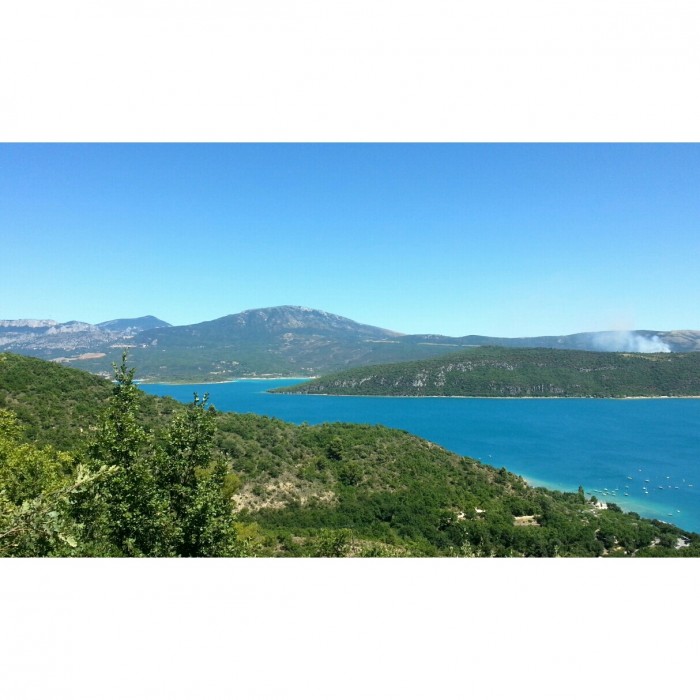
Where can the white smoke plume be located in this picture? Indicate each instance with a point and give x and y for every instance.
(627, 341)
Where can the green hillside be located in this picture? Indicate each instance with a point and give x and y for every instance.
(148, 477)
(61, 406)
(52, 402)
(521, 372)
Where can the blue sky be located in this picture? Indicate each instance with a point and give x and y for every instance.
(495, 239)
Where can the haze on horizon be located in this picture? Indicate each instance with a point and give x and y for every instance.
(455, 239)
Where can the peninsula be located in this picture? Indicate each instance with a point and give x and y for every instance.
(521, 373)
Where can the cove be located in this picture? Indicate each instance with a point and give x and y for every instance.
(648, 449)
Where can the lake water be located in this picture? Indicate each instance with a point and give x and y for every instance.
(646, 448)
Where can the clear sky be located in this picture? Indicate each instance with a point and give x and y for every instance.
(494, 239)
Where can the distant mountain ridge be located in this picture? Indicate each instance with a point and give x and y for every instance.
(136, 325)
(274, 341)
(280, 341)
(601, 341)
(262, 323)
(49, 339)
(28, 323)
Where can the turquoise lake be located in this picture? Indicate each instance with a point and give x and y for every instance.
(648, 449)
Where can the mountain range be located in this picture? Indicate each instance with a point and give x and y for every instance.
(50, 339)
(278, 341)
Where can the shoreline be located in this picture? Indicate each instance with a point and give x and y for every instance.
(221, 381)
(495, 398)
(554, 482)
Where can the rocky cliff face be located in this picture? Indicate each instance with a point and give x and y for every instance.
(50, 339)
(28, 323)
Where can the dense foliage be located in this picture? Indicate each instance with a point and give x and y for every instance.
(52, 402)
(127, 492)
(150, 478)
(395, 494)
(521, 372)
(61, 406)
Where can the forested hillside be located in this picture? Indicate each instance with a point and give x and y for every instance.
(140, 476)
(521, 372)
(58, 405)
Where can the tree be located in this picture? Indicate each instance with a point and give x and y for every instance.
(333, 543)
(168, 496)
(194, 485)
(27, 471)
(36, 485)
(124, 515)
(334, 450)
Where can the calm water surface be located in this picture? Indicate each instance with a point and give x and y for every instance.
(648, 449)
